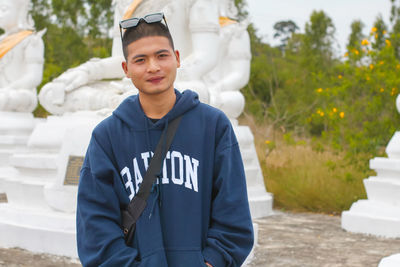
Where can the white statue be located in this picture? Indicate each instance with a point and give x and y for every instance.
(194, 25)
(232, 72)
(21, 57)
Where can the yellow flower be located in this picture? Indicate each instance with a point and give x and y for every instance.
(341, 114)
(364, 42)
(394, 90)
(322, 114)
(376, 36)
(374, 29)
(398, 66)
(346, 54)
(381, 62)
(371, 66)
(319, 90)
(267, 142)
(356, 52)
(334, 110)
(368, 78)
(384, 32)
(381, 90)
(340, 76)
(388, 43)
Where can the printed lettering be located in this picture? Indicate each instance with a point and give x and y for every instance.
(138, 176)
(176, 180)
(191, 173)
(165, 179)
(128, 184)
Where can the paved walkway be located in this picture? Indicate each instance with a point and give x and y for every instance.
(308, 240)
(285, 239)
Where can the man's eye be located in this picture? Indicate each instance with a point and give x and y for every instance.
(163, 55)
(139, 60)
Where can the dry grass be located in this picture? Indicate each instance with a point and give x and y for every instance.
(303, 178)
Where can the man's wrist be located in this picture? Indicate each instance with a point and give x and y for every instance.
(208, 265)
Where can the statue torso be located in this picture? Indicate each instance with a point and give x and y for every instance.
(15, 62)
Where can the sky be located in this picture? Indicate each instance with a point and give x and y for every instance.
(265, 13)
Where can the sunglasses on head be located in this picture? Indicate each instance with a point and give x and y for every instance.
(133, 22)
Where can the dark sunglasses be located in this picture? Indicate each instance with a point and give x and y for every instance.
(133, 22)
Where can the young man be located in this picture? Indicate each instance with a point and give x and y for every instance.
(197, 213)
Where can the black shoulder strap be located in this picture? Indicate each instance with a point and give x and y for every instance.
(156, 161)
(137, 205)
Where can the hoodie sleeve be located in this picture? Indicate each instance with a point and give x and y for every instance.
(99, 236)
(230, 236)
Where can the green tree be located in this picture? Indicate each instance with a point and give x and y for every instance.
(319, 33)
(284, 31)
(356, 35)
(395, 21)
(379, 32)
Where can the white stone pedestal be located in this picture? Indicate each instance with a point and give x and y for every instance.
(15, 128)
(40, 213)
(380, 213)
(391, 261)
(259, 199)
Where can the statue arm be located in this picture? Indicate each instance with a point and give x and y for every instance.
(204, 28)
(94, 70)
(236, 67)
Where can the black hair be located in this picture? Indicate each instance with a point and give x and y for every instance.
(142, 30)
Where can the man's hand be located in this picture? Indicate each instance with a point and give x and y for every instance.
(208, 265)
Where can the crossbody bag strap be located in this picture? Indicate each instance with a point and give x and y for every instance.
(154, 168)
(159, 155)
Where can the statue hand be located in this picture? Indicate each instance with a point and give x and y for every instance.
(53, 92)
(73, 79)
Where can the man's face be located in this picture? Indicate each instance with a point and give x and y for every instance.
(8, 14)
(151, 65)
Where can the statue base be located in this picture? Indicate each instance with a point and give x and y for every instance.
(391, 261)
(41, 231)
(15, 128)
(39, 211)
(259, 199)
(380, 213)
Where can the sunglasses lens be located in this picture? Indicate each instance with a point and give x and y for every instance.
(125, 24)
(152, 18)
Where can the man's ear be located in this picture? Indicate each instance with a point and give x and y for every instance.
(178, 59)
(125, 68)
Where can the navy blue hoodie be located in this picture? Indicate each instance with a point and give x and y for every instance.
(197, 211)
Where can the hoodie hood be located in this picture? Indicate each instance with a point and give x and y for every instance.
(131, 112)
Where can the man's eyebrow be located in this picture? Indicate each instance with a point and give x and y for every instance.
(137, 56)
(156, 53)
(162, 51)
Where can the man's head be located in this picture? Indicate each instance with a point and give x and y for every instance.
(151, 61)
(144, 29)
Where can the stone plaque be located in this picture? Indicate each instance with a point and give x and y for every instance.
(3, 198)
(73, 170)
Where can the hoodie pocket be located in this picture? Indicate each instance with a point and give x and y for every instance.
(185, 258)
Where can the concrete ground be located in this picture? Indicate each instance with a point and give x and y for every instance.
(285, 239)
(308, 240)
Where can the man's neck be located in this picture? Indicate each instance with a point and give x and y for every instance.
(157, 106)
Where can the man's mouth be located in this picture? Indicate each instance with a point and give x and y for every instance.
(155, 79)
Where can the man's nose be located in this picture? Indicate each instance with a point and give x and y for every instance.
(153, 65)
